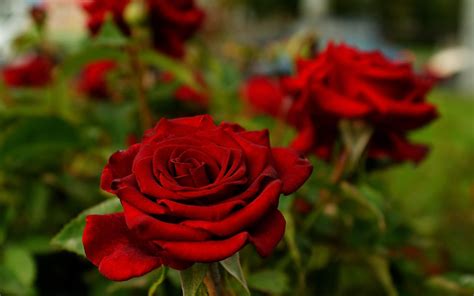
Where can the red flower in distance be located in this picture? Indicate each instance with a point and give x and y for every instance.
(265, 95)
(31, 71)
(97, 11)
(93, 78)
(343, 83)
(192, 191)
(172, 23)
(186, 93)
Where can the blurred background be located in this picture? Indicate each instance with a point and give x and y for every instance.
(436, 198)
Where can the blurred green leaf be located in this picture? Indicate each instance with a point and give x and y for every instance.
(37, 141)
(380, 267)
(10, 285)
(354, 194)
(191, 278)
(110, 35)
(161, 277)
(232, 266)
(21, 263)
(70, 237)
(269, 281)
(459, 284)
(179, 71)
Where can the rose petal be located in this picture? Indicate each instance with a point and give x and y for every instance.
(244, 218)
(292, 168)
(118, 166)
(118, 253)
(149, 228)
(268, 233)
(207, 251)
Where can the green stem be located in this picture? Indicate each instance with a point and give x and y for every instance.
(213, 281)
(144, 110)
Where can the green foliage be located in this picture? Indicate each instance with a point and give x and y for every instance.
(269, 281)
(24, 144)
(192, 279)
(70, 237)
(233, 267)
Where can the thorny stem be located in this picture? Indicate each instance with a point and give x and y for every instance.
(145, 115)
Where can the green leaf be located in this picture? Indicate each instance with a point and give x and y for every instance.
(232, 266)
(177, 69)
(10, 284)
(70, 237)
(21, 263)
(37, 141)
(269, 281)
(191, 278)
(110, 35)
(355, 195)
(381, 269)
(161, 277)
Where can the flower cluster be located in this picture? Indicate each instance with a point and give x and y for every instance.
(343, 83)
(171, 22)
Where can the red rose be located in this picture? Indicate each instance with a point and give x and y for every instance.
(192, 192)
(172, 23)
(31, 71)
(93, 79)
(344, 83)
(265, 95)
(185, 93)
(97, 11)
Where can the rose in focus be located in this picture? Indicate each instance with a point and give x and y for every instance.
(192, 191)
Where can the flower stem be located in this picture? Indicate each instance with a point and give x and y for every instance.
(144, 110)
(213, 280)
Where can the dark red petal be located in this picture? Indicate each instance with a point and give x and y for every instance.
(131, 195)
(202, 121)
(396, 147)
(265, 95)
(268, 233)
(334, 104)
(119, 254)
(213, 212)
(244, 218)
(150, 228)
(292, 168)
(118, 167)
(207, 251)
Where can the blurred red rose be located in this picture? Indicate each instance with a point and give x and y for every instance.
(185, 93)
(192, 191)
(344, 83)
(31, 71)
(265, 95)
(172, 23)
(98, 10)
(93, 78)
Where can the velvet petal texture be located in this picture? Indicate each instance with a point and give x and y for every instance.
(115, 250)
(193, 191)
